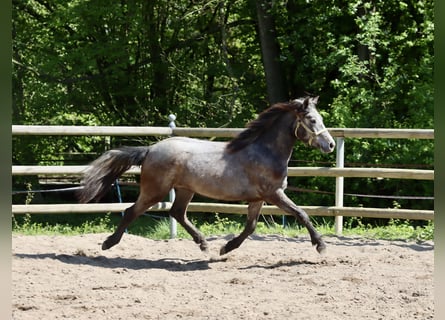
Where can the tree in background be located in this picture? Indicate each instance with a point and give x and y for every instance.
(133, 62)
(372, 61)
(271, 53)
(372, 64)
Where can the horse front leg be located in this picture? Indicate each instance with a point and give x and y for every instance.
(280, 199)
(252, 219)
(179, 212)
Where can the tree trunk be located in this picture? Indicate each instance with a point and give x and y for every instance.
(270, 50)
(159, 86)
(362, 49)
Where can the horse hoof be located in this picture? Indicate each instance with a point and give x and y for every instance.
(321, 248)
(204, 247)
(105, 246)
(222, 251)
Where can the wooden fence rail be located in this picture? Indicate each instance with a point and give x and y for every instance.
(338, 172)
(226, 208)
(207, 132)
(292, 172)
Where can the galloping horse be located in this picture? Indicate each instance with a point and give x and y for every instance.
(252, 167)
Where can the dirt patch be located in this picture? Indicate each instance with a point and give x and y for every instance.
(268, 277)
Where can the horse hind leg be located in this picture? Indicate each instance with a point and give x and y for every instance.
(130, 214)
(179, 212)
(252, 219)
(153, 189)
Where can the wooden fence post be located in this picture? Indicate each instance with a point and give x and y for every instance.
(171, 194)
(340, 163)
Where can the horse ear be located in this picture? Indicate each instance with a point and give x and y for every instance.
(306, 103)
(315, 99)
(298, 105)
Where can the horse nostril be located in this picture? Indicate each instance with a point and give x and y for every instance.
(332, 145)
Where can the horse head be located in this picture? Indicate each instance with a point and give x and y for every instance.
(309, 126)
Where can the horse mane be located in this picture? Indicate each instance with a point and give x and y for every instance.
(256, 127)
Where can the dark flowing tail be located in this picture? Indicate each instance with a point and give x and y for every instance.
(103, 171)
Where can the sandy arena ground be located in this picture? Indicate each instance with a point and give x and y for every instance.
(268, 277)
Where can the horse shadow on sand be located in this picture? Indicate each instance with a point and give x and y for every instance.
(344, 241)
(170, 264)
(184, 265)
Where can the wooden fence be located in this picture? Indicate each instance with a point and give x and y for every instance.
(339, 172)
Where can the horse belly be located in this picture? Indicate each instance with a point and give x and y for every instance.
(219, 182)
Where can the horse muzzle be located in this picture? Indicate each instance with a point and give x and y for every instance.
(326, 143)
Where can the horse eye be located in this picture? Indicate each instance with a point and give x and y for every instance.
(313, 121)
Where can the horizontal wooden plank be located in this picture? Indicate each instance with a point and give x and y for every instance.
(59, 170)
(292, 172)
(68, 208)
(392, 173)
(208, 132)
(90, 130)
(318, 211)
(227, 208)
(47, 170)
(382, 133)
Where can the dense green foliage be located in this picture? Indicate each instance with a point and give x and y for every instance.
(134, 62)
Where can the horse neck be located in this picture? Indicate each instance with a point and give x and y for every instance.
(280, 140)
